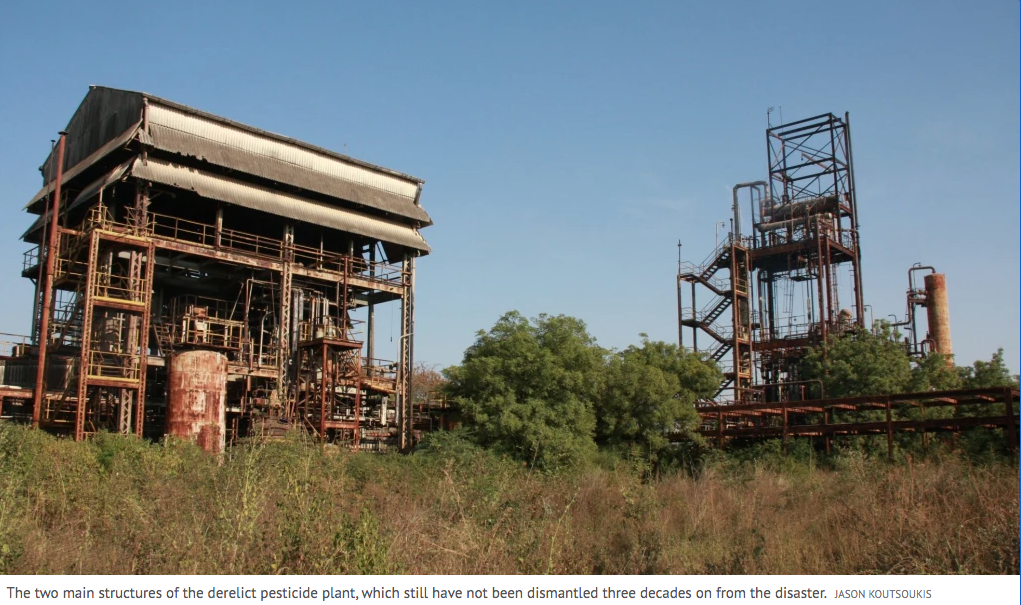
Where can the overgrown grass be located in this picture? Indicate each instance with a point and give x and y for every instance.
(118, 505)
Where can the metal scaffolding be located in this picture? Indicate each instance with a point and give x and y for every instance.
(180, 231)
(780, 290)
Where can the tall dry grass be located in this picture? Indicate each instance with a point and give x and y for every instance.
(117, 505)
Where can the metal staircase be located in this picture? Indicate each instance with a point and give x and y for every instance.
(731, 345)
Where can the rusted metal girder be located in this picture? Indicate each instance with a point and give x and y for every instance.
(51, 257)
(752, 420)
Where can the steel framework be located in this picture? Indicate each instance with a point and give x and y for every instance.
(149, 248)
(776, 291)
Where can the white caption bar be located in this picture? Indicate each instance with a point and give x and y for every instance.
(450, 590)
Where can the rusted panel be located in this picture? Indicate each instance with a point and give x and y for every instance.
(197, 408)
(938, 312)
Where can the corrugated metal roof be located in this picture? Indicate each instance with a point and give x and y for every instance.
(182, 130)
(231, 147)
(102, 151)
(90, 190)
(95, 186)
(102, 115)
(233, 191)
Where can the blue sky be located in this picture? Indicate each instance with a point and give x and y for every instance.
(566, 147)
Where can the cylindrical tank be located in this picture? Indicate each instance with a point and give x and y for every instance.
(197, 408)
(938, 312)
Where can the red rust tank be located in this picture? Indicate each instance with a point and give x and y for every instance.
(198, 391)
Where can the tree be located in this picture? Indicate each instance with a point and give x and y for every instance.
(992, 373)
(425, 379)
(934, 373)
(527, 388)
(861, 363)
(649, 392)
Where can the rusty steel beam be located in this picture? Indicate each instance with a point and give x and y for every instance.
(878, 427)
(957, 396)
(51, 258)
(739, 421)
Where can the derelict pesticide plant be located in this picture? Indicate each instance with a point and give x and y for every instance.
(204, 279)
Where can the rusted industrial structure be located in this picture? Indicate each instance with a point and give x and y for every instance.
(776, 291)
(203, 278)
(933, 297)
(761, 300)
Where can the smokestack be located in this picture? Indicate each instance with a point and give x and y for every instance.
(939, 312)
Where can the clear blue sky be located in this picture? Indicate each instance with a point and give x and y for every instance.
(566, 147)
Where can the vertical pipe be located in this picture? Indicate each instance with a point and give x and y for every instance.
(43, 340)
(680, 318)
(219, 226)
(831, 304)
(859, 297)
(820, 318)
(694, 331)
(358, 405)
(737, 207)
(322, 392)
(370, 328)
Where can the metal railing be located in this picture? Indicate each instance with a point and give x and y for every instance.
(12, 343)
(113, 365)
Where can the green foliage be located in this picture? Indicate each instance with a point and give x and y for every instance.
(296, 507)
(365, 550)
(992, 373)
(876, 363)
(861, 363)
(527, 388)
(933, 373)
(650, 391)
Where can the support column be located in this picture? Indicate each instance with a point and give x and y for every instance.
(826, 421)
(86, 344)
(52, 249)
(785, 448)
(143, 344)
(219, 226)
(284, 327)
(404, 369)
(889, 430)
(370, 328)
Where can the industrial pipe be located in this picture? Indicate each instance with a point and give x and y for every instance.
(737, 207)
(793, 222)
(911, 272)
(47, 281)
(910, 320)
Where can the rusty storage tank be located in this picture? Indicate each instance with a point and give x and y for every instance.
(197, 410)
(938, 312)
